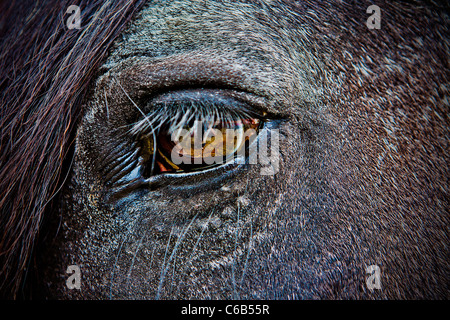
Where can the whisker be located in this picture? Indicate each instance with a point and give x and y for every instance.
(198, 240)
(233, 266)
(250, 244)
(133, 260)
(114, 266)
(174, 251)
(163, 265)
(106, 104)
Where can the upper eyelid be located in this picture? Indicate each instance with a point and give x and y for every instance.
(147, 77)
(186, 70)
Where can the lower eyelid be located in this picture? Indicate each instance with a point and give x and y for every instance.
(195, 173)
(189, 179)
(186, 181)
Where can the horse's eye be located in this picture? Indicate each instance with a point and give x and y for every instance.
(198, 145)
(182, 136)
(192, 131)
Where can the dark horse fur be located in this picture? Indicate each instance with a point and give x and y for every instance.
(363, 177)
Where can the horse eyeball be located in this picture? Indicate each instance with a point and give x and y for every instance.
(201, 145)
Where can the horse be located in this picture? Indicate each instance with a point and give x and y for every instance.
(349, 99)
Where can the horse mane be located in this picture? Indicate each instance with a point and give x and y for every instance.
(45, 70)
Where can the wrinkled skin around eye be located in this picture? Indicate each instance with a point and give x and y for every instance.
(361, 166)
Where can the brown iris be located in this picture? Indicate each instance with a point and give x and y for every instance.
(198, 145)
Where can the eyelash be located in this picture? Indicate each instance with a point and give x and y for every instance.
(176, 116)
